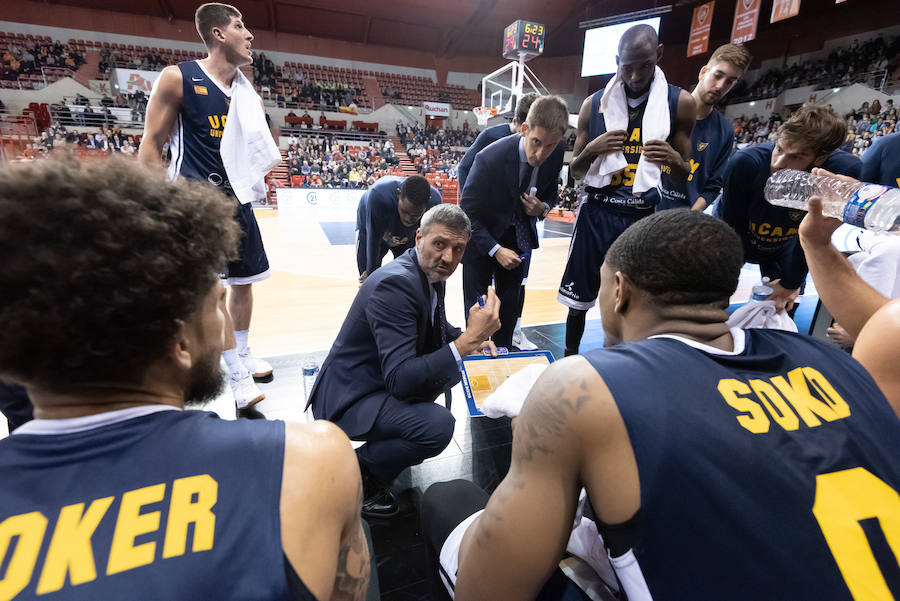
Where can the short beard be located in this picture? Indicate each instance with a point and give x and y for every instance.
(206, 381)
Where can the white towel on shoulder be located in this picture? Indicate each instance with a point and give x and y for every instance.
(247, 149)
(655, 125)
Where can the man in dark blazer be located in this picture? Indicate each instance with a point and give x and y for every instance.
(490, 135)
(513, 181)
(396, 353)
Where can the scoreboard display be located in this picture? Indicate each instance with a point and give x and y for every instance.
(523, 38)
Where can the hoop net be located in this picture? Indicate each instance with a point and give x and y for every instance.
(483, 113)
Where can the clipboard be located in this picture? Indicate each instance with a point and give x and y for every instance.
(482, 375)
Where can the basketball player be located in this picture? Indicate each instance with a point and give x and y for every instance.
(611, 209)
(487, 136)
(387, 217)
(114, 490)
(713, 136)
(809, 138)
(720, 463)
(189, 103)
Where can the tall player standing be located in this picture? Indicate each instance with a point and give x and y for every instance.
(189, 105)
(713, 136)
(609, 210)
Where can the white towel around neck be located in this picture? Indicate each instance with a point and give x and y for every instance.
(655, 125)
(247, 149)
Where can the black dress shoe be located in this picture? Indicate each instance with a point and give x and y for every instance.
(380, 504)
(378, 500)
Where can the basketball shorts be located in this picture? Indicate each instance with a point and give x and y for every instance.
(252, 264)
(596, 228)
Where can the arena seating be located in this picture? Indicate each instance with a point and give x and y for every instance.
(15, 75)
(875, 62)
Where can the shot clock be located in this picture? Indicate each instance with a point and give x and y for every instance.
(523, 38)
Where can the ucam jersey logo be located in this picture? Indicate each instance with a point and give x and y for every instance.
(701, 146)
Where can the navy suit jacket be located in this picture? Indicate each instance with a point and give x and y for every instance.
(487, 136)
(387, 346)
(492, 192)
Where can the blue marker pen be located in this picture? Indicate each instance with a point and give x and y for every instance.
(481, 301)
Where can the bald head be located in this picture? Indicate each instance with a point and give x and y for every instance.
(639, 36)
(639, 51)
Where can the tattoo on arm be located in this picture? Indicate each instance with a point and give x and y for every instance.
(352, 579)
(542, 426)
(546, 421)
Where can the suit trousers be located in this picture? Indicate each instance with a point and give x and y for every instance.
(404, 434)
(477, 275)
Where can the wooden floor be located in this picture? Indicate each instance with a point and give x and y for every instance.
(301, 307)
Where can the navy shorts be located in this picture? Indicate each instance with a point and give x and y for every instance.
(252, 264)
(596, 228)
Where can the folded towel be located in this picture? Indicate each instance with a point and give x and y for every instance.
(654, 126)
(761, 314)
(509, 397)
(247, 149)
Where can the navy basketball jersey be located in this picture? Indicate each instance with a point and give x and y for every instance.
(769, 473)
(198, 132)
(711, 143)
(170, 505)
(881, 163)
(620, 186)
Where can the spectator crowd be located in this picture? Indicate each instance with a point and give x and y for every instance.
(842, 67)
(323, 162)
(28, 58)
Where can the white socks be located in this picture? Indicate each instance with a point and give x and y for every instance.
(241, 337)
(235, 365)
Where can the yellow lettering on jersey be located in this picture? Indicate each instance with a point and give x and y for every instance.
(694, 166)
(808, 407)
(184, 511)
(123, 554)
(214, 121)
(791, 232)
(775, 405)
(827, 392)
(667, 170)
(756, 421)
(764, 229)
(70, 548)
(635, 135)
(842, 500)
(29, 529)
(776, 231)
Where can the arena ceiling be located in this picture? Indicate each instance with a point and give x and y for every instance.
(442, 27)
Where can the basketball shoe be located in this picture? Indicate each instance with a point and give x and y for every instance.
(260, 368)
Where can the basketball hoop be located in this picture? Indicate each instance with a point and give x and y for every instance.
(483, 113)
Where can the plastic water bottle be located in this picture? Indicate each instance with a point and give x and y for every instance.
(870, 206)
(762, 291)
(310, 370)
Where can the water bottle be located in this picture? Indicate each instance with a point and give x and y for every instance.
(310, 370)
(870, 206)
(762, 291)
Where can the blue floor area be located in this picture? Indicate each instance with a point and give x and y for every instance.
(339, 232)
